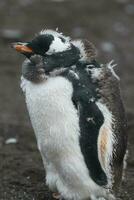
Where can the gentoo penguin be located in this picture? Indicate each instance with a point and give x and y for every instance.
(77, 115)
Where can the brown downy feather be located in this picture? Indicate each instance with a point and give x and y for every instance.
(90, 49)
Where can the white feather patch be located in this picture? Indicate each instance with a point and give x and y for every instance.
(95, 72)
(58, 46)
(74, 74)
(111, 66)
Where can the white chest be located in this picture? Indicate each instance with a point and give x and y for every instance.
(52, 113)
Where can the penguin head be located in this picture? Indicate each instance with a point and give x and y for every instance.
(47, 42)
(48, 51)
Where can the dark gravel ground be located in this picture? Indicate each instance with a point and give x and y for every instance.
(109, 25)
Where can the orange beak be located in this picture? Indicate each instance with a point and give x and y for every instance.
(22, 48)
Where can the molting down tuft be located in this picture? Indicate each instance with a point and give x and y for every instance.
(86, 48)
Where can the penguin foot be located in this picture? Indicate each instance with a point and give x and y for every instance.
(56, 195)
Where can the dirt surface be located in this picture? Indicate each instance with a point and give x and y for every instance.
(109, 25)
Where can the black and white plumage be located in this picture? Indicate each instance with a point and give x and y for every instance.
(77, 114)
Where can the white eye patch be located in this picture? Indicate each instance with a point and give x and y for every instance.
(58, 46)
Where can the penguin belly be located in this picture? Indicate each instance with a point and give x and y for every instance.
(56, 125)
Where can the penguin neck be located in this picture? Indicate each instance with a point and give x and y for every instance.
(63, 59)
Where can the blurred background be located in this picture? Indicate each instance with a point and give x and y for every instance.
(107, 24)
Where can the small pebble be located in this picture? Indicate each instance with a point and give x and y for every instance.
(11, 141)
